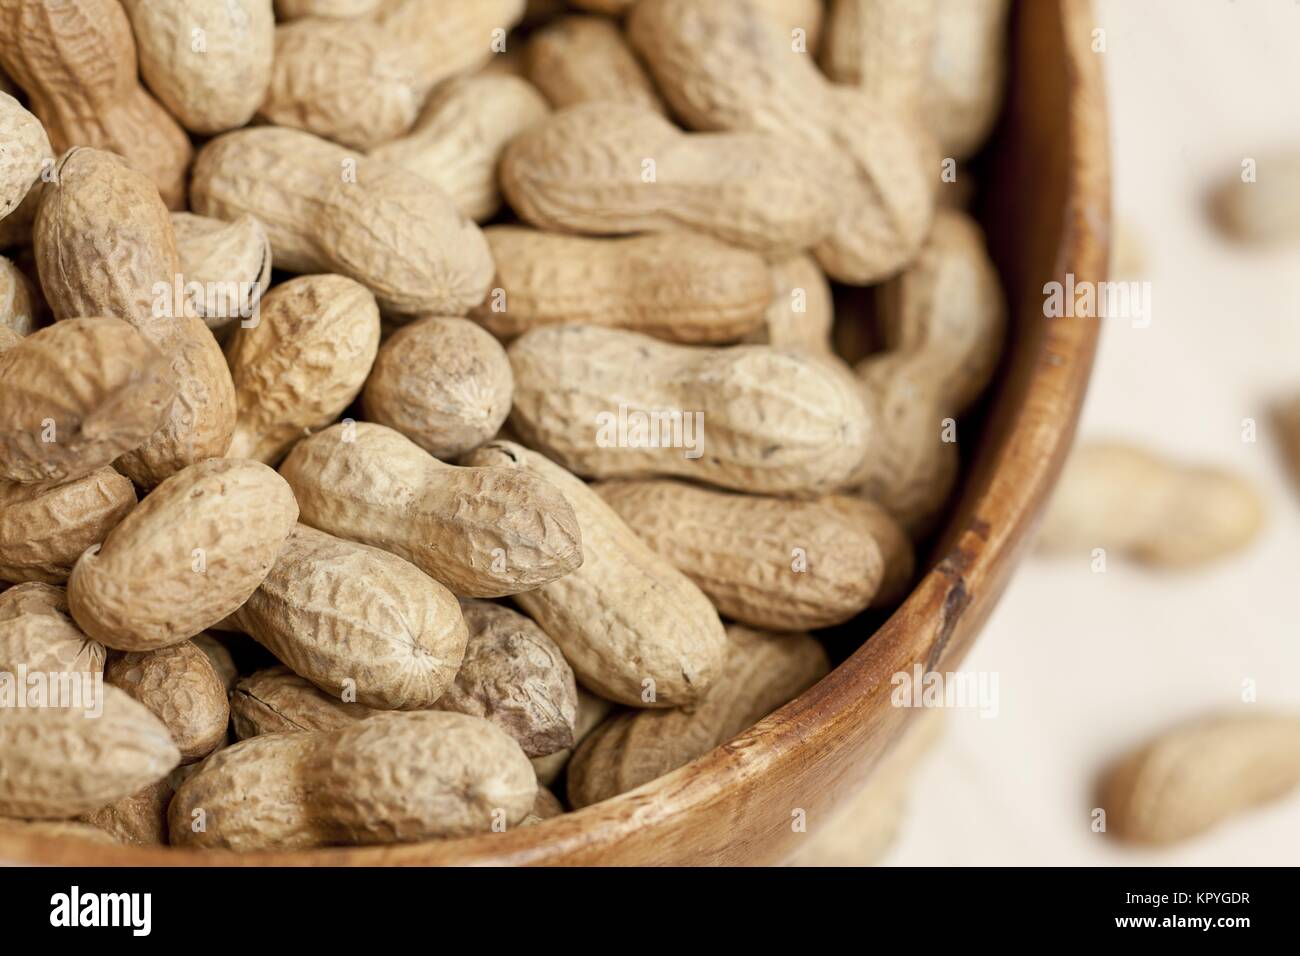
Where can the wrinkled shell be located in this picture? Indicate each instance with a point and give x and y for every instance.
(444, 383)
(44, 530)
(591, 711)
(24, 150)
(185, 558)
(59, 762)
(219, 657)
(327, 209)
(1193, 777)
(230, 262)
(302, 364)
(677, 286)
(357, 620)
(883, 47)
(802, 312)
(788, 15)
(586, 59)
(968, 65)
(392, 778)
(516, 677)
(762, 672)
(585, 170)
(137, 820)
(625, 617)
(482, 532)
(38, 633)
(774, 421)
(277, 701)
(76, 395)
(220, 85)
(180, 686)
(459, 139)
(17, 311)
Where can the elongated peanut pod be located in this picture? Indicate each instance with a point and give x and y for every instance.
(38, 633)
(883, 47)
(968, 69)
(275, 700)
(802, 312)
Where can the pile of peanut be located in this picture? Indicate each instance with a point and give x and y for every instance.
(338, 325)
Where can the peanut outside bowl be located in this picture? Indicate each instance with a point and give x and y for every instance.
(1045, 205)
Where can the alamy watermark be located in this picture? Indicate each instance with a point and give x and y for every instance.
(658, 428)
(72, 690)
(972, 690)
(1098, 300)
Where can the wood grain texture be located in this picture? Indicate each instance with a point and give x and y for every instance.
(733, 805)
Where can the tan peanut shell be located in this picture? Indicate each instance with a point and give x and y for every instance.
(275, 700)
(586, 59)
(105, 246)
(17, 308)
(219, 657)
(185, 558)
(546, 806)
(343, 9)
(44, 529)
(1193, 777)
(802, 312)
(391, 778)
(592, 709)
(749, 417)
(963, 91)
(788, 15)
(361, 82)
(444, 383)
(632, 627)
(137, 820)
(482, 532)
(678, 286)
(762, 672)
(613, 169)
(515, 676)
(358, 621)
(51, 830)
(883, 47)
(76, 59)
(457, 142)
(59, 761)
(24, 151)
(1157, 511)
(76, 395)
(38, 633)
(8, 338)
(301, 363)
(229, 263)
(181, 688)
(1263, 207)
(219, 85)
(724, 65)
(327, 209)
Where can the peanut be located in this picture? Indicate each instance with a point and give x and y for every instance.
(76, 59)
(17, 311)
(59, 761)
(773, 421)
(343, 9)
(762, 672)
(38, 633)
(209, 63)
(50, 830)
(219, 657)
(632, 627)
(137, 820)
(963, 91)
(482, 532)
(788, 15)
(357, 621)
(724, 66)
(459, 139)
(546, 806)
(44, 529)
(301, 364)
(444, 383)
(586, 59)
(1263, 207)
(591, 711)
(24, 153)
(189, 555)
(182, 689)
(678, 286)
(327, 209)
(390, 778)
(612, 169)
(1191, 778)
(802, 312)
(1119, 497)
(275, 700)
(883, 47)
(229, 261)
(8, 338)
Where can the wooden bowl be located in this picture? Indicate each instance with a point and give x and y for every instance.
(1046, 207)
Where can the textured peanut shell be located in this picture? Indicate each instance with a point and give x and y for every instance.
(802, 312)
(444, 383)
(762, 672)
(585, 169)
(516, 677)
(38, 633)
(301, 364)
(357, 620)
(625, 617)
(392, 778)
(327, 209)
(457, 142)
(180, 686)
(185, 558)
(17, 310)
(724, 65)
(137, 820)
(57, 762)
(76, 60)
(343, 9)
(774, 421)
(968, 66)
(482, 532)
(229, 261)
(1191, 778)
(591, 711)
(76, 395)
(275, 700)
(546, 806)
(44, 530)
(219, 657)
(219, 86)
(24, 150)
(883, 47)
(788, 15)
(769, 562)
(678, 286)
(1157, 511)
(586, 59)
